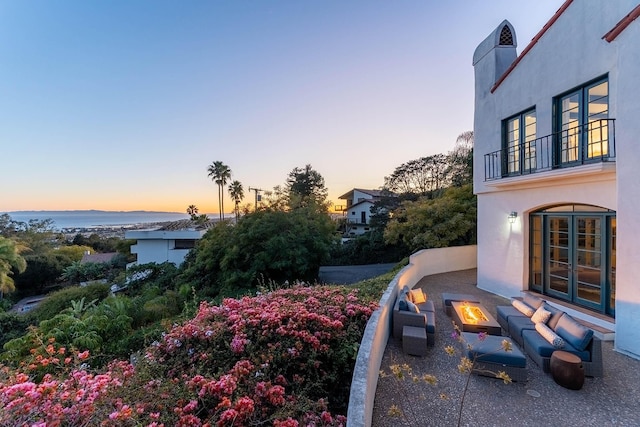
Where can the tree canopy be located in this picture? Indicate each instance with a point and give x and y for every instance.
(449, 220)
(264, 245)
(431, 174)
(305, 187)
(10, 261)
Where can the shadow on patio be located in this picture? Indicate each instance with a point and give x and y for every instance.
(610, 400)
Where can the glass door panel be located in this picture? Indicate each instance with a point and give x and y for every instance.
(589, 260)
(570, 128)
(611, 309)
(536, 252)
(559, 265)
(513, 145)
(597, 113)
(529, 146)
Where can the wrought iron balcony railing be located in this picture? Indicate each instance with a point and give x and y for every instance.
(592, 142)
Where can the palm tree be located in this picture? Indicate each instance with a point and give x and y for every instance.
(192, 211)
(10, 258)
(219, 173)
(237, 194)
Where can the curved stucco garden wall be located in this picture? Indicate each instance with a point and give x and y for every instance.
(374, 341)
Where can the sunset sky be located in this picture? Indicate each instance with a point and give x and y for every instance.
(122, 105)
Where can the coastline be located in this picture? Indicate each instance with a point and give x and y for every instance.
(106, 231)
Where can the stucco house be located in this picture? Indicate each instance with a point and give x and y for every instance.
(170, 242)
(358, 210)
(556, 164)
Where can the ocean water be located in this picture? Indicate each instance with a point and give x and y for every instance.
(94, 219)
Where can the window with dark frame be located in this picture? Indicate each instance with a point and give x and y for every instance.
(184, 244)
(519, 135)
(582, 123)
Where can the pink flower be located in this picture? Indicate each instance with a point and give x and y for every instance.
(289, 422)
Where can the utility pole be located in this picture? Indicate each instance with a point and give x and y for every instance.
(256, 191)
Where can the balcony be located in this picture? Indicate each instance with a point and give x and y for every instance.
(593, 142)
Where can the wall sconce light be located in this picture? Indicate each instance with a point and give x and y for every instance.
(512, 217)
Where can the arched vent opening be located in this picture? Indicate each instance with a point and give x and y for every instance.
(506, 38)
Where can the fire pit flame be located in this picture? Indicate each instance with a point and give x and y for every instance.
(473, 314)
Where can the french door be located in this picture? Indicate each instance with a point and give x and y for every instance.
(573, 258)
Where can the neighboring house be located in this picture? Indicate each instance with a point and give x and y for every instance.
(98, 258)
(170, 242)
(358, 210)
(556, 163)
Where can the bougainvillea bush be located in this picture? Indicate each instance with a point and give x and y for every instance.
(284, 358)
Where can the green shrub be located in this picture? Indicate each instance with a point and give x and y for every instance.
(60, 300)
(12, 325)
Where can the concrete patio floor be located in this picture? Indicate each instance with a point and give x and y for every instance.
(611, 400)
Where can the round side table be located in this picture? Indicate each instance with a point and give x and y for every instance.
(567, 370)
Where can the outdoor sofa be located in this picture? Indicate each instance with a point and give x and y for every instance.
(540, 329)
(413, 308)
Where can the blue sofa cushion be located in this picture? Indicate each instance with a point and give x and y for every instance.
(426, 306)
(555, 315)
(573, 332)
(506, 311)
(544, 348)
(490, 350)
(402, 302)
(431, 322)
(532, 301)
(411, 307)
(519, 323)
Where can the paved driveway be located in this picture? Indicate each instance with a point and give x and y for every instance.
(349, 274)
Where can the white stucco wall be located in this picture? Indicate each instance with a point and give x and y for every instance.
(354, 213)
(359, 195)
(158, 245)
(503, 252)
(571, 53)
(628, 191)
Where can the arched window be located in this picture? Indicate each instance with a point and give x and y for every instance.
(506, 37)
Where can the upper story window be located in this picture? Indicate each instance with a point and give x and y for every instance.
(184, 244)
(581, 119)
(519, 134)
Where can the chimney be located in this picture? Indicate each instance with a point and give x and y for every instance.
(493, 56)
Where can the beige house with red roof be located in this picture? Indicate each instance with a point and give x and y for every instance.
(556, 163)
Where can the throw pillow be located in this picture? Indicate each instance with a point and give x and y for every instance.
(417, 296)
(549, 335)
(532, 300)
(412, 307)
(402, 304)
(541, 315)
(522, 307)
